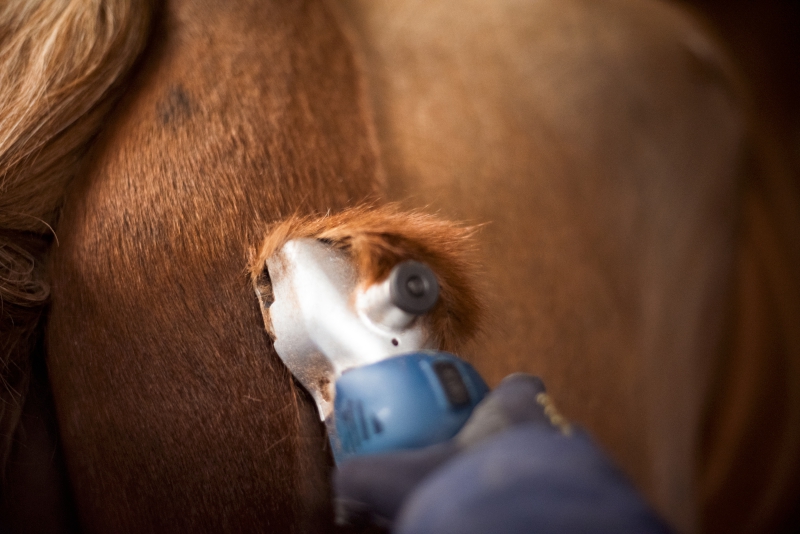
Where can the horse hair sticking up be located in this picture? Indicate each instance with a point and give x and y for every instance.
(379, 238)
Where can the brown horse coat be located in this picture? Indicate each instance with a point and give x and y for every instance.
(174, 411)
(608, 164)
(644, 241)
(606, 143)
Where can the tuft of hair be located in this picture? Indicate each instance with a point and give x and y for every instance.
(378, 238)
(62, 64)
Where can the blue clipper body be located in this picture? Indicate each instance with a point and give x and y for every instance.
(365, 353)
(403, 402)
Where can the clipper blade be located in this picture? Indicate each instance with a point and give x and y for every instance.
(323, 322)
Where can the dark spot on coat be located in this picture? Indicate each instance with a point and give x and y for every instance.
(175, 108)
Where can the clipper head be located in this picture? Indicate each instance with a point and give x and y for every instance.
(349, 289)
(324, 322)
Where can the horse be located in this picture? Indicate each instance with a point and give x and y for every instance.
(637, 240)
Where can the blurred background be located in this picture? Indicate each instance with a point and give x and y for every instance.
(764, 39)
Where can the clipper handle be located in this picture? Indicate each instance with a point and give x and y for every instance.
(404, 402)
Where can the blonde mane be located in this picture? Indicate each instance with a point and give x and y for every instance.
(61, 67)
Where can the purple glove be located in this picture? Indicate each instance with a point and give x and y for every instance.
(516, 466)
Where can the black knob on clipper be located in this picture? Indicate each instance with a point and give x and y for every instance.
(413, 287)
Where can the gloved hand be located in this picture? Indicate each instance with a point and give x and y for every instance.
(516, 466)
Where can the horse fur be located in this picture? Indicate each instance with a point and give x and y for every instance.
(173, 408)
(175, 413)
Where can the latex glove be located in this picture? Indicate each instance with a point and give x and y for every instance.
(516, 466)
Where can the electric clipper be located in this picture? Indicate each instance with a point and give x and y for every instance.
(365, 354)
